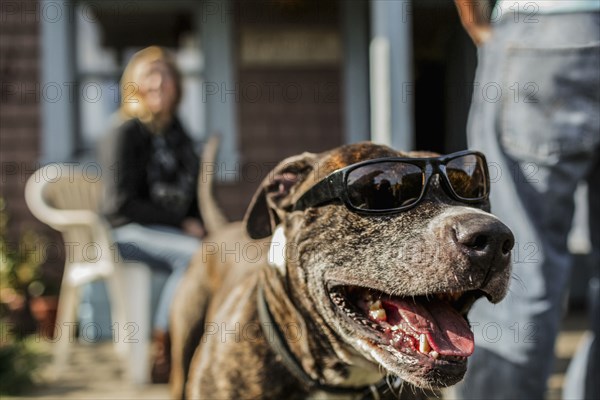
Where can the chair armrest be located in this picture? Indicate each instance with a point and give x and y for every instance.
(56, 218)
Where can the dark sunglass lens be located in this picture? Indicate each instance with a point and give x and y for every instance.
(467, 177)
(385, 185)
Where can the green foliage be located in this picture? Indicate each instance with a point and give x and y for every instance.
(20, 272)
(20, 361)
(20, 278)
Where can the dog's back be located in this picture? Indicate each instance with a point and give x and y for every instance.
(210, 270)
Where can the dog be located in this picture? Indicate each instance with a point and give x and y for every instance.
(340, 283)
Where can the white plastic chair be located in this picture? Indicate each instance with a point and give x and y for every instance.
(66, 200)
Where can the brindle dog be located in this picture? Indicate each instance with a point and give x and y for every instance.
(362, 306)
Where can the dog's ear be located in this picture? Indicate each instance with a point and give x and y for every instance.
(272, 199)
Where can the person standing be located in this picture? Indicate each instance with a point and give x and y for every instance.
(534, 113)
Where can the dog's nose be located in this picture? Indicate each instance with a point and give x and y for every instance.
(481, 237)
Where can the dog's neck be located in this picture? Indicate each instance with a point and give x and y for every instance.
(311, 358)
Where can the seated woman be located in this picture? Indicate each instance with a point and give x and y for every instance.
(150, 183)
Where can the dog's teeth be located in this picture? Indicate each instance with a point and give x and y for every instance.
(376, 305)
(434, 354)
(378, 315)
(377, 312)
(424, 344)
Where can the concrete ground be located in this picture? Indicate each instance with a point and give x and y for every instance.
(573, 329)
(94, 372)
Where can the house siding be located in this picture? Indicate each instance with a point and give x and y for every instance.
(20, 100)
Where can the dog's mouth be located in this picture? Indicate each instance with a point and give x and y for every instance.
(433, 328)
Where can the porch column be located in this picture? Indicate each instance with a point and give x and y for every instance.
(216, 19)
(355, 34)
(58, 78)
(391, 74)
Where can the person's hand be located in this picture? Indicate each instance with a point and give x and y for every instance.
(474, 19)
(479, 33)
(193, 227)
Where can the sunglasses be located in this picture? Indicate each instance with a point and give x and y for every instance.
(394, 184)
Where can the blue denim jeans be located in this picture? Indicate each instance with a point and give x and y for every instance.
(159, 247)
(535, 116)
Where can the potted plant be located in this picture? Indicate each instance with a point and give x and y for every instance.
(21, 359)
(21, 279)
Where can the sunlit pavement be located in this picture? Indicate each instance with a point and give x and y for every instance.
(94, 372)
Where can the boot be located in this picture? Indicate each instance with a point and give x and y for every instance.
(161, 357)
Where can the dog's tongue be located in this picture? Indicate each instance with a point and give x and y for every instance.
(447, 331)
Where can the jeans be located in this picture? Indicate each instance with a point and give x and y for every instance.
(535, 115)
(160, 247)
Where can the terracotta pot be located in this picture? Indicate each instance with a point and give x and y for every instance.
(13, 301)
(15, 311)
(43, 309)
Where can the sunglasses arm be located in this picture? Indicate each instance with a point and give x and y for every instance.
(323, 191)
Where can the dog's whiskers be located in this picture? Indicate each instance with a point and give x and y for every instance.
(518, 280)
(401, 389)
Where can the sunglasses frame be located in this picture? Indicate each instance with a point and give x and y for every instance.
(335, 185)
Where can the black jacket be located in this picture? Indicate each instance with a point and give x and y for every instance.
(148, 178)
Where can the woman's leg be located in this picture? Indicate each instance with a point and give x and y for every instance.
(160, 247)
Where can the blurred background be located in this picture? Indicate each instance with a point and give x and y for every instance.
(273, 78)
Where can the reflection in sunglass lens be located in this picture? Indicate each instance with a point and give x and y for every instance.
(384, 185)
(467, 176)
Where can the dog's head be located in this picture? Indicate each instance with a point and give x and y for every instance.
(395, 286)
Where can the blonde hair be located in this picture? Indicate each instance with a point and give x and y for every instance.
(132, 104)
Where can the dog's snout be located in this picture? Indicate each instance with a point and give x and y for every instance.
(481, 237)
